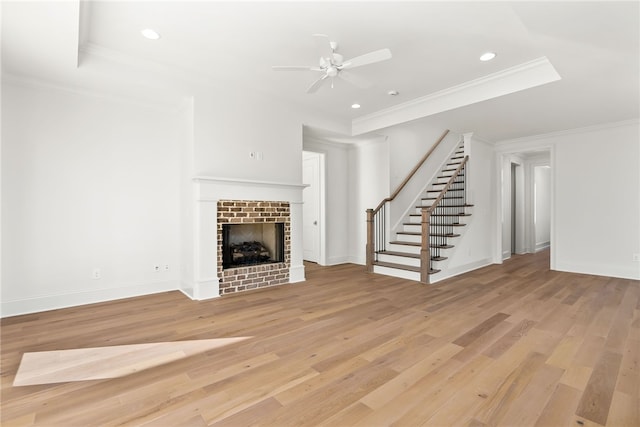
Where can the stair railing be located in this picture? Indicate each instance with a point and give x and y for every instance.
(376, 218)
(436, 222)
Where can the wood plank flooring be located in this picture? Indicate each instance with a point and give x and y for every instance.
(513, 345)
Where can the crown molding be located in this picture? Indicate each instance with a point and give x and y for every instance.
(170, 72)
(36, 82)
(508, 143)
(520, 77)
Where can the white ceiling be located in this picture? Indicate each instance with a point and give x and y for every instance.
(593, 46)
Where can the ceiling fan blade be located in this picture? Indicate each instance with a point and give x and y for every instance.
(314, 87)
(368, 58)
(357, 81)
(294, 68)
(324, 45)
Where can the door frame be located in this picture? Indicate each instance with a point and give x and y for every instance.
(504, 155)
(321, 205)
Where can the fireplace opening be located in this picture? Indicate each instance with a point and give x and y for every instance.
(252, 244)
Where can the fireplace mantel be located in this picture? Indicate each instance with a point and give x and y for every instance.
(235, 181)
(207, 191)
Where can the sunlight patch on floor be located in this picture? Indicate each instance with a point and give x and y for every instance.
(97, 363)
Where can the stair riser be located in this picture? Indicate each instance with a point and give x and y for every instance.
(449, 223)
(417, 220)
(412, 228)
(442, 179)
(415, 262)
(404, 274)
(403, 248)
(410, 238)
(460, 210)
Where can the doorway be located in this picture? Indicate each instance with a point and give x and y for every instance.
(514, 207)
(526, 203)
(313, 206)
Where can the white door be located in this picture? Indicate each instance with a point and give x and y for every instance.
(311, 206)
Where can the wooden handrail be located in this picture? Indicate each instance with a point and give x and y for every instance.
(446, 187)
(413, 172)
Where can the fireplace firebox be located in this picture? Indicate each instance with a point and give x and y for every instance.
(252, 244)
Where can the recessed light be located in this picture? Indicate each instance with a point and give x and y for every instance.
(355, 106)
(150, 34)
(488, 56)
(393, 93)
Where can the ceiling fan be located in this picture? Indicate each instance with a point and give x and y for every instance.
(332, 64)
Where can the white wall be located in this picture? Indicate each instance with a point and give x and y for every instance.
(229, 124)
(597, 201)
(87, 182)
(408, 143)
(368, 185)
(336, 198)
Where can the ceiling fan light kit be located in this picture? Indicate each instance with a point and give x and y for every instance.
(332, 64)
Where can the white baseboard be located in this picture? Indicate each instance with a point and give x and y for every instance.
(54, 302)
(542, 246)
(356, 260)
(296, 274)
(600, 270)
(206, 289)
(337, 260)
(456, 271)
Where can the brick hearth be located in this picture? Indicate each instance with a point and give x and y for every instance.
(255, 276)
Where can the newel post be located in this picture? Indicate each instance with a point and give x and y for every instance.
(370, 238)
(425, 252)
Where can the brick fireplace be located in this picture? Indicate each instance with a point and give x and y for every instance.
(269, 273)
(219, 201)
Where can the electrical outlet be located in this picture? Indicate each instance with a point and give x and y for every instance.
(156, 268)
(636, 257)
(97, 274)
(166, 267)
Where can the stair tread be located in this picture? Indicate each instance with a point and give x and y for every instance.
(454, 197)
(448, 225)
(398, 266)
(396, 253)
(415, 233)
(458, 214)
(448, 176)
(403, 267)
(447, 206)
(400, 242)
(445, 183)
(409, 255)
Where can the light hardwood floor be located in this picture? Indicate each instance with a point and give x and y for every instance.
(512, 344)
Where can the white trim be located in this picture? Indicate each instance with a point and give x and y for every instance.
(296, 274)
(170, 73)
(596, 269)
(456, 271)
(337, 260)
(72, 299)
(509, 144)
(169, 104)
(542, 246)
(514, 79)
(506, 153)
(235, 181)
(206, 289)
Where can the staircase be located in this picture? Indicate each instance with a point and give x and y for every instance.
(428, 233)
